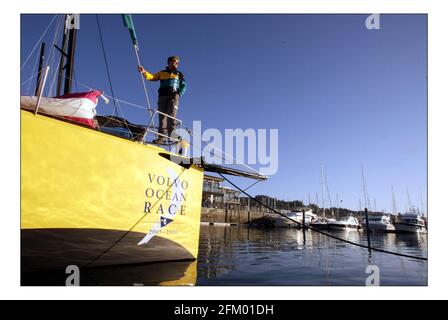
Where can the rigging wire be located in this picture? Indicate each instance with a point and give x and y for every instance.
(53, 54)
(151, 111)
(106, 95)
(127, 102)
(76, 82)
(329, 195)
(319, 231)
(107, 64)
(35, 72)
(109, 96)
(231, 158)
(30, 78)
(137, 54)
(37, 43)
(236, 195)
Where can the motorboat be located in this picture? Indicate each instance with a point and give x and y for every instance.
(410, 222)
(378, 223)
(321, 223)
(345, 223)
(293, 216)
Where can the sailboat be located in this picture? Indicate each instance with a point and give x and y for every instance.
(380, 223)
(322, 223)
(94, 198)
(345, 223)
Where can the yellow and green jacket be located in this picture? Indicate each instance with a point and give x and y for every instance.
(171, 81)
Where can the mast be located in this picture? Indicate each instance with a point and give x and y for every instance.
(62, 50)
(322, 183)
(337, 203)
(421, 203)
(328, 193)
(394, 204)
(67, 50)
(71, 56)
(41, 66)
(364, 187)
(409, 200)
(366, 210)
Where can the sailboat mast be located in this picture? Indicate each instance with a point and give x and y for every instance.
(337, 202)
(364, 187)
(41, 68)
(63, 49)
(323, 195)
(409, 200)
(67, 60)
(70, 56)
(421, 203)
(394, 204)
(328, 194)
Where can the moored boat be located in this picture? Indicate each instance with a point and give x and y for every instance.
(294, 216)
(94, 194)
(90, 198)
(410, 222)
(345, 223)
(378, 223)
(321, 223)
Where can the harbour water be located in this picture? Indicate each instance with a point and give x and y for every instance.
(239, 256)
(242, 256)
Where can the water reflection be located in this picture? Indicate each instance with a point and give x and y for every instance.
(237, 256)
(412, 240)
(251, 256)
(181, 273)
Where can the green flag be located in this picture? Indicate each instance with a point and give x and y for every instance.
(127, 19)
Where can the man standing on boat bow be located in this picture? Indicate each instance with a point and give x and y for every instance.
(172, 87)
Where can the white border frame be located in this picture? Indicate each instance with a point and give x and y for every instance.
(437, 117)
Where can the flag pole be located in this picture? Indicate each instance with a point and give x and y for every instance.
(136, 48)
(128, 23)
(152, 113)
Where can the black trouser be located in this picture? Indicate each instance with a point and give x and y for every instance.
(169, 106)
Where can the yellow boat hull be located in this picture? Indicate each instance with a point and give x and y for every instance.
(91, 199)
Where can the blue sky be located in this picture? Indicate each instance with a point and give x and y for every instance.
(339, 94)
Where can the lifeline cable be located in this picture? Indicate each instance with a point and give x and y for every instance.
(128, 231)
(324, 233)
(235, 194)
